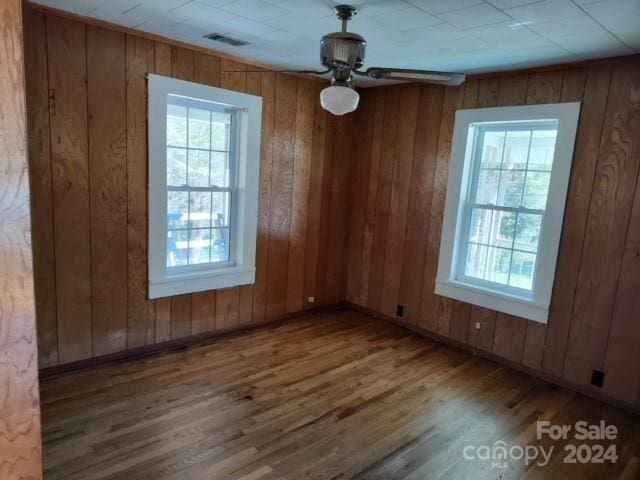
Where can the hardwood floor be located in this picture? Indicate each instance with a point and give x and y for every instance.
(330, 396)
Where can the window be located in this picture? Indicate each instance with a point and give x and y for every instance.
(507, 186)
(204, 145)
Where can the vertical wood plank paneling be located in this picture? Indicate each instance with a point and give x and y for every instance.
(622, 350)
(66, 46)
(37, 84)
(482, 326)
(227, 308)
(140, 60)
(300, 194)
(315, 198)
(609, 213)
(420, 195)
(361, 156)
(180, 316)
(460, 316)
(399, 200)
(372, 194)
(268, 92)
(429, 305)
(325, 211)
(334, 282)
(207, 69)
(106, 89)
(508, 341)
(182, 63)
(234, 75)
(534, 344)
(203, 312)
(383, 200)
(282, 188)
(20, 441)
(594, 102)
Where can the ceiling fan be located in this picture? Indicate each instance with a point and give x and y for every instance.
(343, 53)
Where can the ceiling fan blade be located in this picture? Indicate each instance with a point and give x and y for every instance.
(427, 76)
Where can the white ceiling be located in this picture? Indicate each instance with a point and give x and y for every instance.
(454, 35)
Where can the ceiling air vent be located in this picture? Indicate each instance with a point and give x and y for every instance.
(218, 37)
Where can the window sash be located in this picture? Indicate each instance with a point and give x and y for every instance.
(231, 189)
(469, 204)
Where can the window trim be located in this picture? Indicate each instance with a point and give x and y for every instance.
(448, 282)
(167, 281)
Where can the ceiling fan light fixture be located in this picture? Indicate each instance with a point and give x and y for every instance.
(339, 99)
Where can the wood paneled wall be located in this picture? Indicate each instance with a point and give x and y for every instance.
(401, 151)
(20, 443)
(88, 151)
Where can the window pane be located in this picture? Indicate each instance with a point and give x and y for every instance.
(220, 127)
(177, 209)
(536, 190)
(502, 229)
(476, 261)
(511, 186)
(221, 203)
(220, 169)
(492, 149)
(522, 267)
(528, 232)
(176, 125)
(543, 143)
(220, 245)
(516, 150)
(487, 187)
(199, 128)
(176, 167)
(498, 265)
(200, 210)
(480, 225)
(177, 246)
(199, 246)
(198, 168)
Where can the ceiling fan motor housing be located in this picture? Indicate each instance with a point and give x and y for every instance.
(342, 49)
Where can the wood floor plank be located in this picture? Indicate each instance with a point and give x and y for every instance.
(329, 396)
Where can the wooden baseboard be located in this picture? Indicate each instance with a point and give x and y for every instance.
(561, 382)
(181, 343)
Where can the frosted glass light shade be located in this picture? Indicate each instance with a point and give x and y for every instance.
(339, 100)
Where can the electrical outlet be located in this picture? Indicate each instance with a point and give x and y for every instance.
(597, 378)
(400, 310)
(477, 325)
(311, 299)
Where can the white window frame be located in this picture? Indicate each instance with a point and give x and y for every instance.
(450, 282)
(240, 270)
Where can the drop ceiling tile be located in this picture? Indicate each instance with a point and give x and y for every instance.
(544, 11)
(218, 20)
(593, 44)
(476, 16)
(373, 8)
(254, 9)
(436, 7)
(408, 19)
(558, 28)
(442, 31)
(502, 4)
(616, 15)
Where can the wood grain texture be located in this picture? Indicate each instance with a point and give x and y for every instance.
(66, 47)
(328, 396)
(20, 440)
(106, 92)
(592, 309)
(44, 268)
(90, 191)
(140, 61)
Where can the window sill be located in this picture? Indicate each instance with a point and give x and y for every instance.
(192, 282)
(501, 302)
